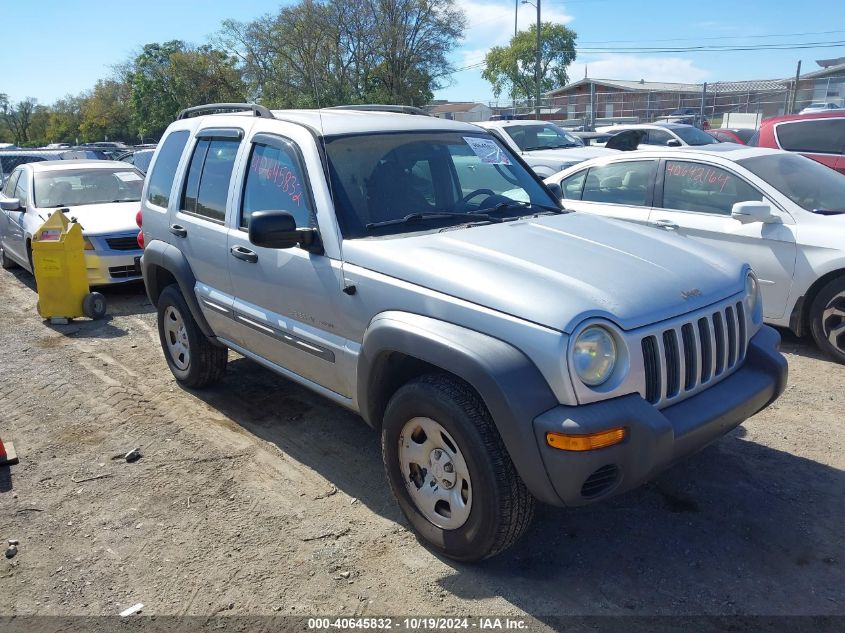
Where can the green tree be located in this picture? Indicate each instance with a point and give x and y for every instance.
(64, 120)
(106, 112)
(166, 78)
(332, 52)
(17, 117)
(510, 68)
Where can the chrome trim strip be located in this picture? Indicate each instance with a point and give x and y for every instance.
(284, 337)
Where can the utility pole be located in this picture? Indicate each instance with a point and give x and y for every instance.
(515, 31)
(795, 91)
(537, 77)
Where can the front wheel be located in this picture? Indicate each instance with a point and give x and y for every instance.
(6, 262)
(194, 361)
(450, 470)
(827, 319)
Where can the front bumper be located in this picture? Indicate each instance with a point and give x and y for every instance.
(656, 438)
(108, 266)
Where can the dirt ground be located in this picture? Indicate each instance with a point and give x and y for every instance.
(259, 497)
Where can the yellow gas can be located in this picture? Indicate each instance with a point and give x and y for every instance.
(59, 263)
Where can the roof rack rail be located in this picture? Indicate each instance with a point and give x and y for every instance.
(377, 107)
(216, 108)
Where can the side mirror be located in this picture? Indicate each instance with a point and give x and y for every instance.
(556, 189)
(752, 211)
(277, 229)
(673, 142)
(11, 204)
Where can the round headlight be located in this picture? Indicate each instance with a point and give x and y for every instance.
(752, 293)
(594, 355)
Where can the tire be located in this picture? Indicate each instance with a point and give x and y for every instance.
(94, 306)
(6, 262)
(193, 359)
(827, 319)
(487, 512)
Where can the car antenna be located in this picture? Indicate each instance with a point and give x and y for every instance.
(348, 288)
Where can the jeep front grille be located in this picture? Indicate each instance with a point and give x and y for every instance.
(681, 359)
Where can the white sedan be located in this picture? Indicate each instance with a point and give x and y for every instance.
(781, 212)
(664, 134)
(102, 195)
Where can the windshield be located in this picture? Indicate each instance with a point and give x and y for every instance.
(693, 136)
(379, 178)
(75, 187)
(547, 136)
(809, 184)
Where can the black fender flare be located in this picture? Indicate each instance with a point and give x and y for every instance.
(161, 255)
(511, 386)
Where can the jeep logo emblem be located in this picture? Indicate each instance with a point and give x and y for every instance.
(692, 292)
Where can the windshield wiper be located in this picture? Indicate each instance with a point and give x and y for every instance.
(541, 147)
(829, 211)
(517, 204)
(430, 215)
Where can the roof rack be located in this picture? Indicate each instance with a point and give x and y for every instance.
(218, 108)
(377, 107)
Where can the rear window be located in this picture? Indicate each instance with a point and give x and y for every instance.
(161, 179)
(822, 136)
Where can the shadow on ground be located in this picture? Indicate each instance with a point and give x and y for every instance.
(738, 528)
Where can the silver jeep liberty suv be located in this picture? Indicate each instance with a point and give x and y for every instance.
(415, 271)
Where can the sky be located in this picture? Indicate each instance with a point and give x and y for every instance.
(64, 46)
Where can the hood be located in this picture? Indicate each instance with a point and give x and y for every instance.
(102, 219)
(570, 154)
(559, 270)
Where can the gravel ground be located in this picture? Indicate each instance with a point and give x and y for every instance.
(259, 497)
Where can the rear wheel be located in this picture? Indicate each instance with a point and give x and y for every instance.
(827, 319)
(450, 470)
(194, 360)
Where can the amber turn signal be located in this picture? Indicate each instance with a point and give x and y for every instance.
(588, 442)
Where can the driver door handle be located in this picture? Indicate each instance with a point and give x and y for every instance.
(178, 230)
(244, 254)
(666, 224)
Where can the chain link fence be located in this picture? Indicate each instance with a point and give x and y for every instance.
(594, 102)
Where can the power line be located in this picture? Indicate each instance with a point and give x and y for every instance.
(689, 49)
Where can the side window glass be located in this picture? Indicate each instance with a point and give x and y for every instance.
(824, 136)
(192, 182)
(703, 188)
(275, 182)
(22, 190)
(209, 174)
(9, 189)
(573, 185)
(658, 137)
(626, 183)
(161, 178)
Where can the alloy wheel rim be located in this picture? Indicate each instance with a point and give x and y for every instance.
(833, 322)
(435, 473)
(176, 338)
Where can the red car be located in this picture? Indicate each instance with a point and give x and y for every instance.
(820, 136)
(741, 136)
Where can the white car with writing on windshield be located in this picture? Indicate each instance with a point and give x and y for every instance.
(781, 212)
(101, 195)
